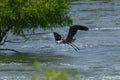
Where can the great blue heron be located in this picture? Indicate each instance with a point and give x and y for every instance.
(69, 39)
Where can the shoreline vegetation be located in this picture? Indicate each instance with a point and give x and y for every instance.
(52, 74)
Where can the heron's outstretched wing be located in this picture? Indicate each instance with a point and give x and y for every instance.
(72, 31)
(57, 36)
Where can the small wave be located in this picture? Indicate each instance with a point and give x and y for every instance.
(87, 45)
(12, 77)
(73, 66)
(109, 28)
(116, 77)
(87, 2)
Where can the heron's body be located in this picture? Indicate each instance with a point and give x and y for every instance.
(69, 39)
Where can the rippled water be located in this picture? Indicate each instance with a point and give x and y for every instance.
(98, 59)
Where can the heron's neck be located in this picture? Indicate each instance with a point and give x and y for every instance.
(70, 40)
(61, 41)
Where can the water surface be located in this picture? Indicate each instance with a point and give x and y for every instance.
(99, 56)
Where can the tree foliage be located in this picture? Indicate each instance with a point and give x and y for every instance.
(19, 16)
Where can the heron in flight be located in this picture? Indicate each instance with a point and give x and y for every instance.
(69, 39)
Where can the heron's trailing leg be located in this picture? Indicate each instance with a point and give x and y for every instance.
(74, 46)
